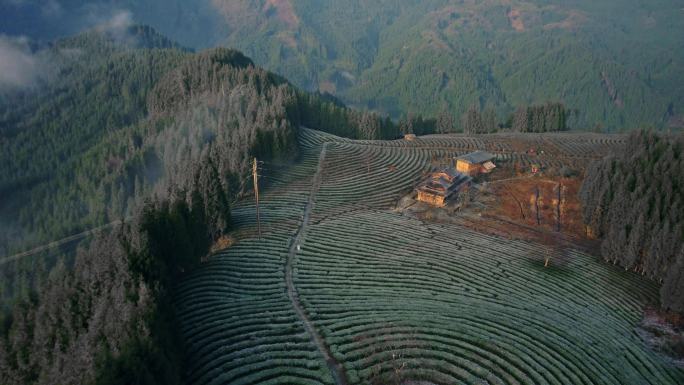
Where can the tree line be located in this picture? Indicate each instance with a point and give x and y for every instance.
(332, 116)
(634, 201)
(548, 117)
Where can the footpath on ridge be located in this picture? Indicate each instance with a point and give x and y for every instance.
(335, 367)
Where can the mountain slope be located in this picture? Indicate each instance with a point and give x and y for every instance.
(119, 117)
(127, 126)
(618, 65)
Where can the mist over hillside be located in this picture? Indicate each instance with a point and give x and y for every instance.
(616, 64)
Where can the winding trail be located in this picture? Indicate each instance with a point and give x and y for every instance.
(335, 367)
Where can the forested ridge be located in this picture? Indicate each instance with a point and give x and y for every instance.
(618, 64)
(634, 201)
(171, 169)
(80, 150)
(56, 133)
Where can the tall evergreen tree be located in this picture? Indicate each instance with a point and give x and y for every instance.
(445, 122)
(633, 200)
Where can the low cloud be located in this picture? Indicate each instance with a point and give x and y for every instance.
(118, 22)
(113, 23)
(19, 66)
(22, 67)
(63, 17)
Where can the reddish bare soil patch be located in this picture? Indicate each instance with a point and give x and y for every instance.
(284, 11)
(245, 12)
(222, 243)
(550, 204)
(515, 17)
(572, 21)
(529, 208)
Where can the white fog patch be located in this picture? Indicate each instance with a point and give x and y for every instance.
(118, 22)
(19, 67)
(116, 25)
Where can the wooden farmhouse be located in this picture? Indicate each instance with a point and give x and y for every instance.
(410, 137)
(478, 162)
(440, 186)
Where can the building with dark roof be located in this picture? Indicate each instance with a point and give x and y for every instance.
(475, 163)
(441, 186)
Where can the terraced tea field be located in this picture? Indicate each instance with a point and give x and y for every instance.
(343, 289)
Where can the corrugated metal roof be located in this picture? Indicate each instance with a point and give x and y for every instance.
(489, 165)
(443, 183)
(476, 157)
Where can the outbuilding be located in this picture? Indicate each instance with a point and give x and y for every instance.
(478, 162)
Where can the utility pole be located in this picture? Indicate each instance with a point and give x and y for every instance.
(256, 194)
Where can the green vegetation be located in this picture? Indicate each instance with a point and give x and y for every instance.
(158, 136)
(634, 200)
(148, 132)
(397, 299)
(173, 156)
(106, 316)
(618, 65)
(234, 311)
(544, 118)
(56, 139)
(110, 319)
(89, 146)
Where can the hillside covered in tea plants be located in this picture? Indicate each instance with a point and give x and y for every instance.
(341, 288)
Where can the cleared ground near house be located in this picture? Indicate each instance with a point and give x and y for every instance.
(392, 299)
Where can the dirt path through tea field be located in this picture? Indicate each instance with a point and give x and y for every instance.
(335, 367)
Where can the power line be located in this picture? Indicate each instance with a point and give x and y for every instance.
(57, 243)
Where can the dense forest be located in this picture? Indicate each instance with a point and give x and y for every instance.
(172, 173)
(618, 63)
(109, 318)
(52, 133)
(548, 117)
(634, 201)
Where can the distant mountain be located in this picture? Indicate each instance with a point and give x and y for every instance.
(113, 115)
(619, 64)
